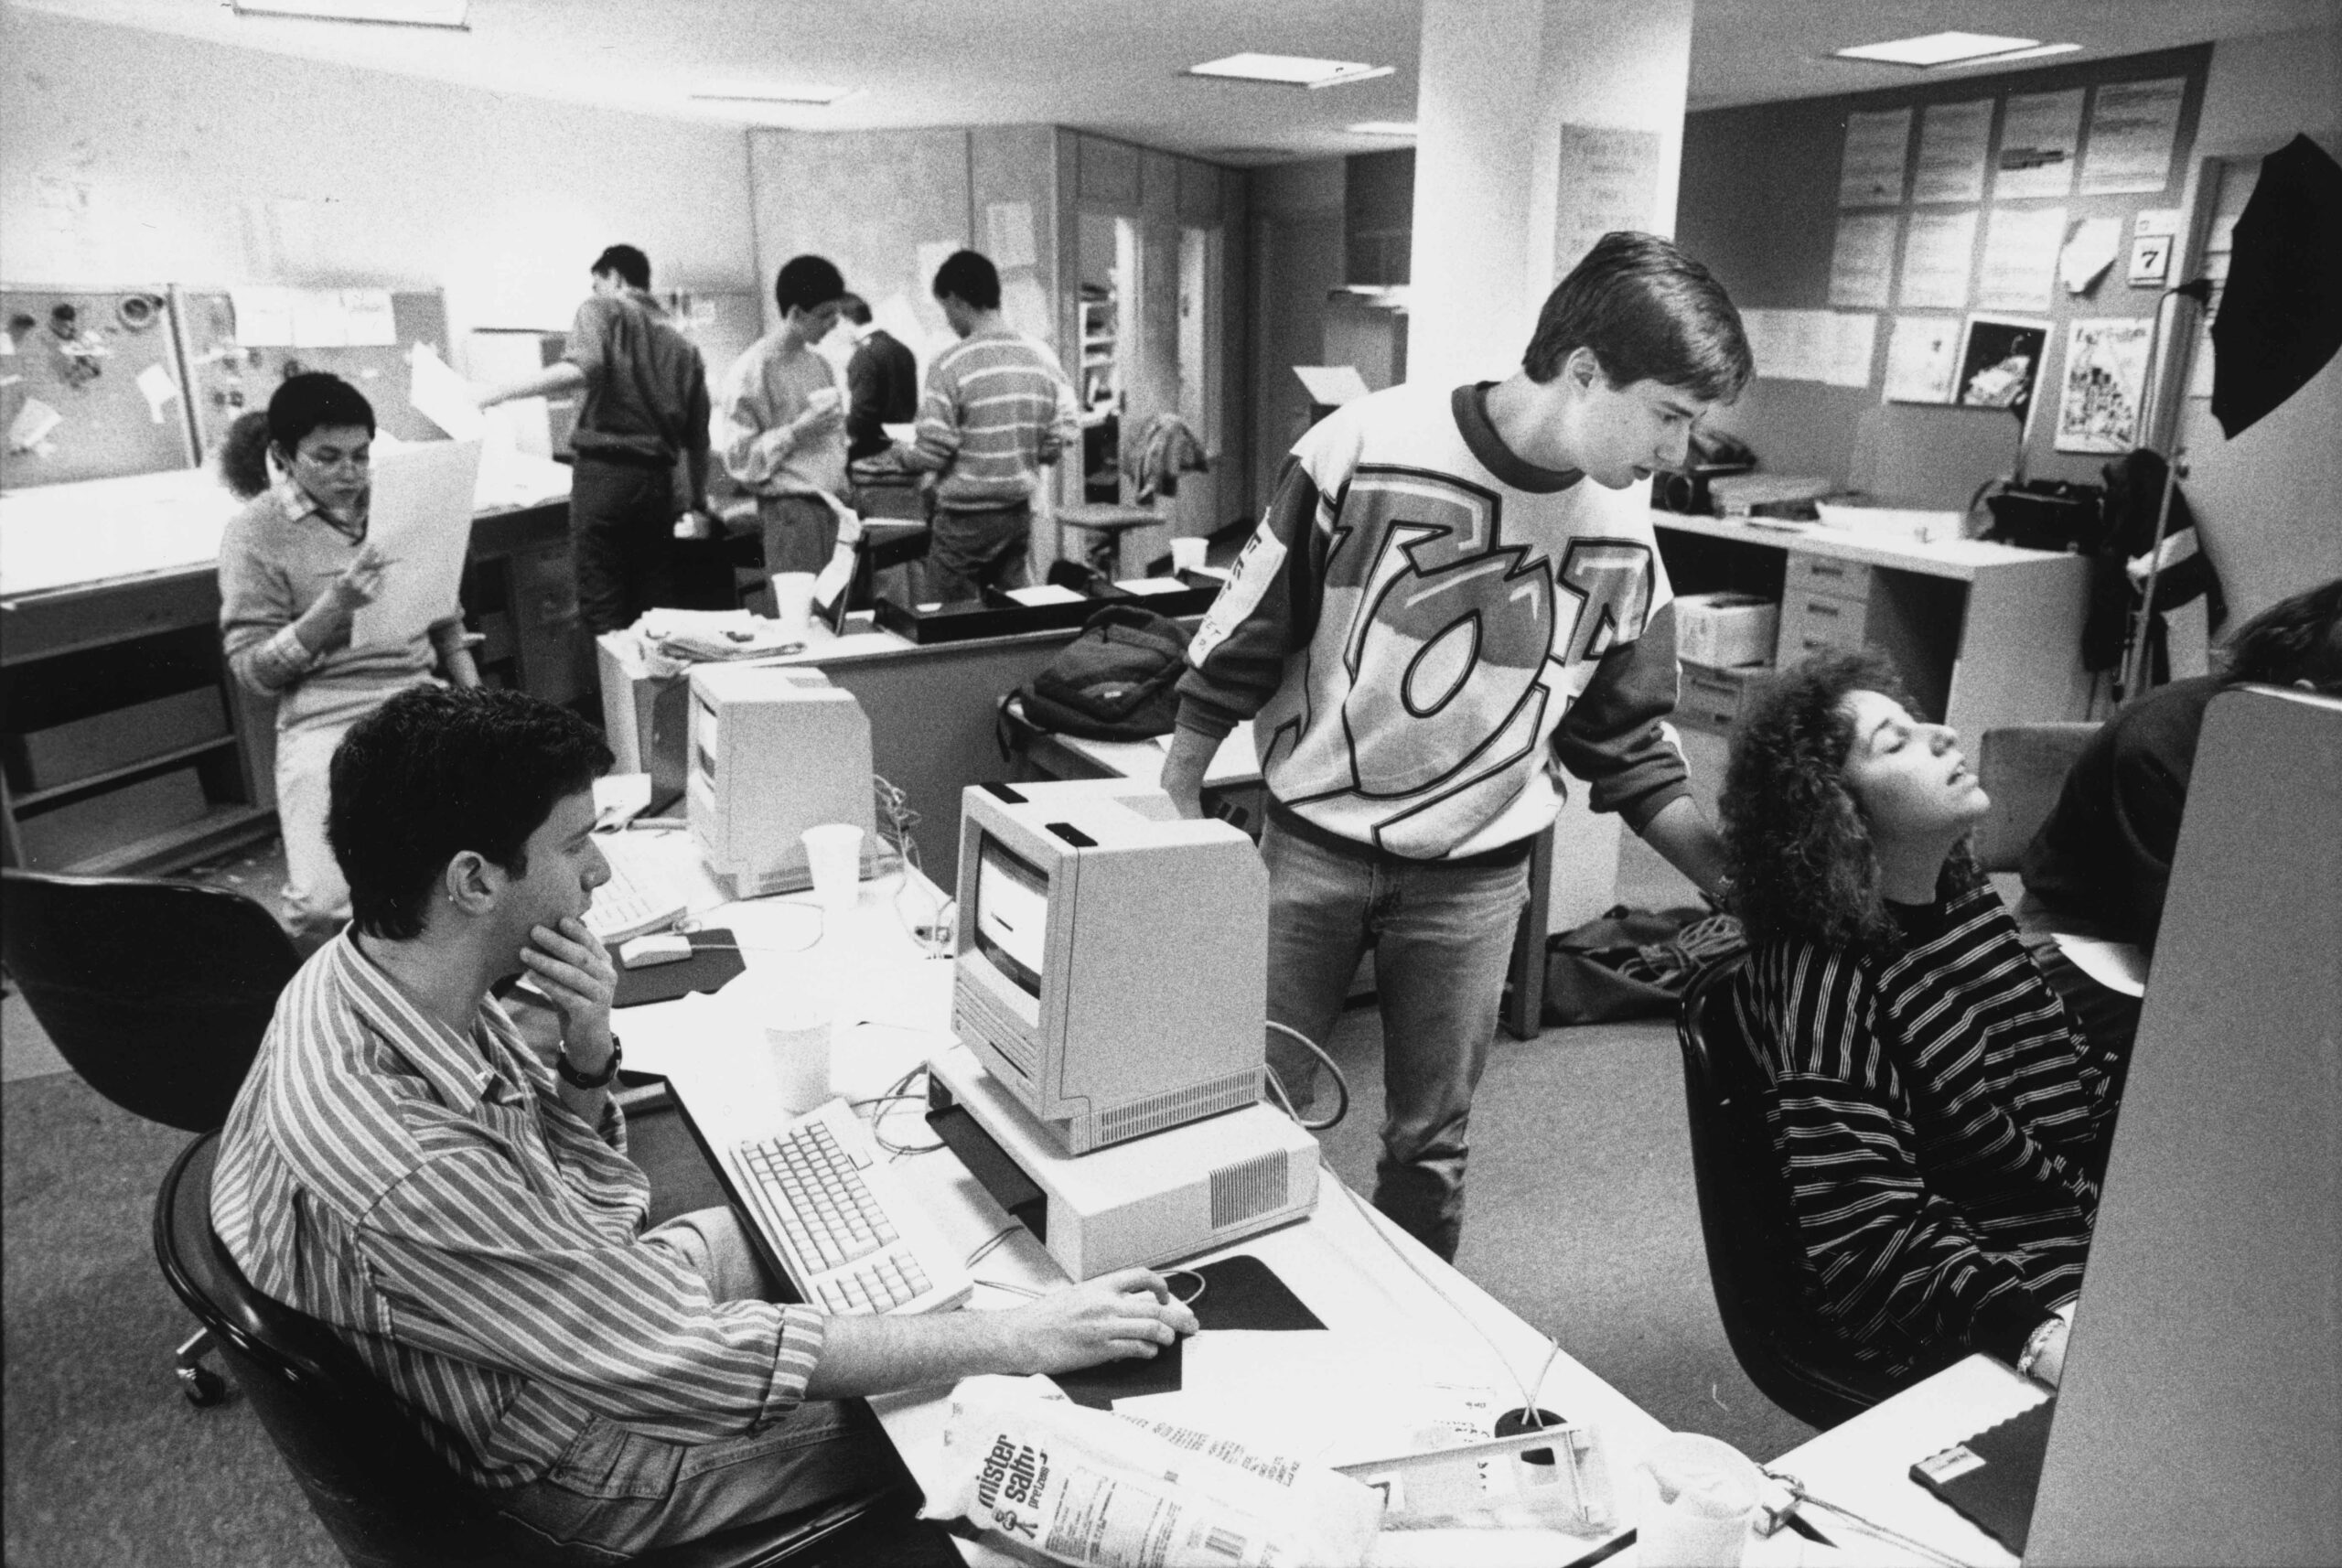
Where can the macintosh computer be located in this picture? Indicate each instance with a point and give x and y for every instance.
(774, 750)
(1112, 957)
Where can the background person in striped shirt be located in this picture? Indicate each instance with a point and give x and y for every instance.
(458, 1206)
(996, 411)
(1942, 1127)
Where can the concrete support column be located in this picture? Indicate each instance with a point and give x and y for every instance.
(1498, 80)
(1504, 88)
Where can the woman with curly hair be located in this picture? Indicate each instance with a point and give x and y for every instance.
(1941, 1125)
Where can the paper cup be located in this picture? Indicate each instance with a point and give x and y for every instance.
(1187, 554)
(834, 851)
(792, 598)
(1699, 1496)
(797, 1024)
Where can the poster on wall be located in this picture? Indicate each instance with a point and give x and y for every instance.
(1919, 357)
(1862, 263)
(1871, 172)
(2020, 266)
(2104, 384)
(2132, 127)
(1936, 254)
(2000, 363)
(1953, 140)
(2039, 137)
(1609, 178)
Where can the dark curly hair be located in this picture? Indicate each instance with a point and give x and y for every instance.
(1795, 845)
(2298, 639)
(436, 771)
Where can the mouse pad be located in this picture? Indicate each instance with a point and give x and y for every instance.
(1240, 1291)
(714, 959)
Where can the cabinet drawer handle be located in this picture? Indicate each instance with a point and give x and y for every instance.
(1817, 607)
(1819, 570)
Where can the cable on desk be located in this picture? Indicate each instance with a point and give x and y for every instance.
(1341, 1083)
(1025, 1291)
(894, 1093)
(991, 1241)
(896, 810)
(1528, 1395)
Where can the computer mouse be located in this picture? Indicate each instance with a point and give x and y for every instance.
(664, 946)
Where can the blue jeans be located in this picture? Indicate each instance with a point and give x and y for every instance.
(615, 1493)
(1442, 936)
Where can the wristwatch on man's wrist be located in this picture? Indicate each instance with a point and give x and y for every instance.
(575, 1079)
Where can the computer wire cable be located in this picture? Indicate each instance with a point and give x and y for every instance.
(896, 810)
(1529, 1392)
(1341, 1084)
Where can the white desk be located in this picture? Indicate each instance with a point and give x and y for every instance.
(1866, 1464)
(894, 1012)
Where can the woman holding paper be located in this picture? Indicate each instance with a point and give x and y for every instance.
(295, 568)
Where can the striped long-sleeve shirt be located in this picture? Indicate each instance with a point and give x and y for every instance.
(428, 1196)
(1943, 1129)
(996, 410)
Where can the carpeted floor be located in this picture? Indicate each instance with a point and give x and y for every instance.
(1582, 1219)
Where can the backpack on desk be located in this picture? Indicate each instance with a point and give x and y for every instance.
(1117, 680)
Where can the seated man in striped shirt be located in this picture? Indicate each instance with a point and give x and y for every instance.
(996, 411)
(1942, 1125)
(460, 1208)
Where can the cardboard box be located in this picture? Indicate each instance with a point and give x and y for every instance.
(67, 753)
(1725, 630)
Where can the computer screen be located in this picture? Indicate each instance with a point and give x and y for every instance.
(1113, 968)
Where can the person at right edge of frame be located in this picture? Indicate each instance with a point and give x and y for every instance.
(1454, 595)
(645, 406)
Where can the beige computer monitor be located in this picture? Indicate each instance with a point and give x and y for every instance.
(2199, 1418)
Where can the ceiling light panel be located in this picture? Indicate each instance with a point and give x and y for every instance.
(403, 13)
(1290, 71)
(793, 97)
(1937, 49)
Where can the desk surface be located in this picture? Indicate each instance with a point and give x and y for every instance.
(1959, 558)
(60, 537)
(893, 1005)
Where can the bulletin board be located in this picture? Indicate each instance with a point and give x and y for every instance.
(230, 375)
(90, 386)
(1894, 253)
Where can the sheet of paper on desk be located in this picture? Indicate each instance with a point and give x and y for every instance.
(1044, 594)
(2118, 966)
(421, 520)
(1336, 1397)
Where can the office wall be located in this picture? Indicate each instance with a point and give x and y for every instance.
(132, 157)
(1759, 205)
(2270, 502)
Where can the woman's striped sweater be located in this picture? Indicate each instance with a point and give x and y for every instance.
(1942, 1126)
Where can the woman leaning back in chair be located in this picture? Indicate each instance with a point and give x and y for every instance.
(295, 568)
(1941, 1125)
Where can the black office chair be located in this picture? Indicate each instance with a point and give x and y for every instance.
(1753, 1258)
(156, 994)
(386, 1498)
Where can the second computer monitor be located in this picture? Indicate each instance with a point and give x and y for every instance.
(1113, 957)
(774, 750)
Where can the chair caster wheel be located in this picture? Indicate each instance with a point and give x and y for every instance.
(202, 1386)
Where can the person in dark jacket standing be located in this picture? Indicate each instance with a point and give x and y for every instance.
(882, 383)
(645, 406)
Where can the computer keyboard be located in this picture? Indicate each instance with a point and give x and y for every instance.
(636, 899)
(852, 1241)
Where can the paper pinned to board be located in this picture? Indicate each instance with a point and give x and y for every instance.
(368, 318)
(1026, 309)
(155, 383)
(420, 520)
(263, 317)
(2089, 253)
(1008, 225)
(32, 425)
(442, 396)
